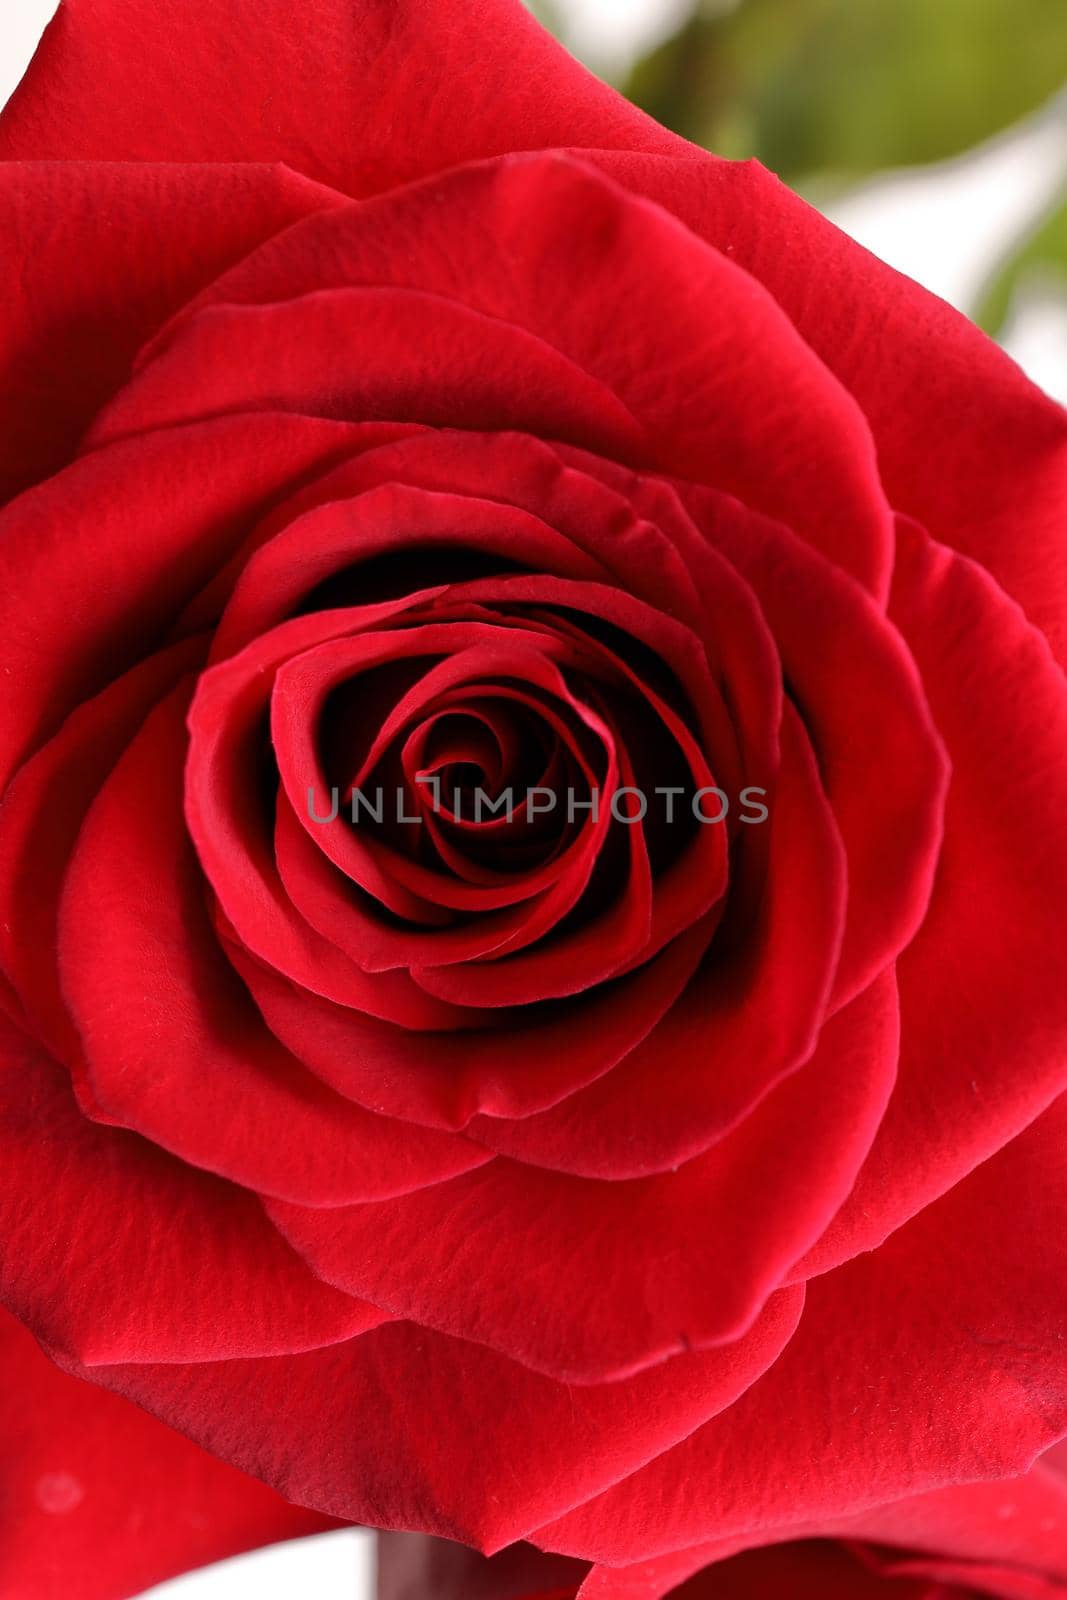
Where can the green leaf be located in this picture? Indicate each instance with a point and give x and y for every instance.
(1041, 257)
(852, 86)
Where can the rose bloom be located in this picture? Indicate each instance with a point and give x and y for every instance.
(386, 400)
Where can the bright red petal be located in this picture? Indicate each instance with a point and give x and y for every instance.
(664, 322)
(99, 256)
(983, 986)
(113, 1250)
(966, 443)
(329, 88)
(406, 1428)
(938, 1357)
(98, 1500)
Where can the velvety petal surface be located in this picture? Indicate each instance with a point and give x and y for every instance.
(174, 1047)
(75, 564)
(507, 238)
(948, 1320)
(983, 987)
(99, 1501)
(330, 92)
(366, 1431)
(100, 255)
(1006, 1538)
(623, 1274)
(111, 1249)
(742, 1027)
(966, 443)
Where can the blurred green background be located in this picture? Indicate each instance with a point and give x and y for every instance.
(832, 93)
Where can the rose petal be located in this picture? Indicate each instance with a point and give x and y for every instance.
(617, 1276)
(863, 704)
(444, 1080)
(114, 1251)
(973, 1074)
(366, 1430)
(966, 443)
(42, 813)
(99, 256)
(371, 351)
(937, 1358)
(75, 564)
(1005, 1538)
(330, 92)
(666, 323)
(742, 1026)
(101, 1500)
(174, 1046)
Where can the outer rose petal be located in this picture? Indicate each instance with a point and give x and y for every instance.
(966, 443)
(406, 1428)
(42, 813)
(329, 89)
(949, 1320)
(98, 1500)
(983, 986)
(665, 322)
(1007, 1539)
(610, 1297)
(994, 446)
(1011, 1534)
(99, 256)
(113, 1250)
(75, 564)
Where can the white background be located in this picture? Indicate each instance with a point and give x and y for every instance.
(945, 226)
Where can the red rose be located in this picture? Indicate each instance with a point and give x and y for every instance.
(625, 1183)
